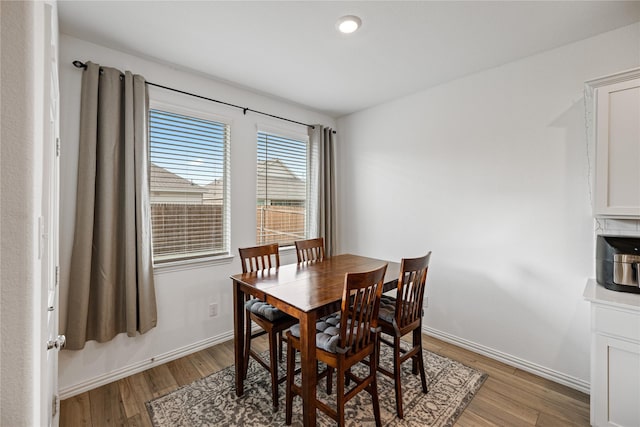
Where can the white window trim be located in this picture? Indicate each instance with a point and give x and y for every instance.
(293, 131)
(190, 264)
(189, 111)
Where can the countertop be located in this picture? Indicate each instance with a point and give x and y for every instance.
(597, 293)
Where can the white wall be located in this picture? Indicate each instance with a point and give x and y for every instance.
(490, 172)
(17, 274)
(183, 296)
(22, 300)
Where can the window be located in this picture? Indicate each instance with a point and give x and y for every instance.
(189, 186)
(282, 191)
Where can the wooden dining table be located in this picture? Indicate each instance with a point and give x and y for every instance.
(306, 291)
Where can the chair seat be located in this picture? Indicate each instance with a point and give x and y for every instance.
(265, 310)
(387, 308)
(327, 332)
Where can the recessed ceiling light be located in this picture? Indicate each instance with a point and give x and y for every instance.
(348, 24)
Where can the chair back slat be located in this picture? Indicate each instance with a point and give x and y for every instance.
(411, 287)
(360, 306)
(310, 250)
(258, 258)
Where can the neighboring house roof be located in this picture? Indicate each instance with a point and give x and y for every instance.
(165, 181)
(282, 183)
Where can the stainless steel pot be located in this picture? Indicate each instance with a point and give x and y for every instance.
(625, 269)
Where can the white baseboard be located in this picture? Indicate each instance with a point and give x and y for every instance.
(142, 366)
(135, 368)
(510, 360)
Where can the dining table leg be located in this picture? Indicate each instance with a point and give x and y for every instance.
(308, 367)
(238, 336)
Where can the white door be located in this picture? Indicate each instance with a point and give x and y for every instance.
(48, 224)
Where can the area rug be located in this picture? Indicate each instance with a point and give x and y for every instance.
(212, 401)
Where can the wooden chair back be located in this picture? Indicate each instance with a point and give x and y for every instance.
(411, 286)
(359, 313)
(310, 249)
(259, 258)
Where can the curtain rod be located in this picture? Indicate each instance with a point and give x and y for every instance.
(80, 64)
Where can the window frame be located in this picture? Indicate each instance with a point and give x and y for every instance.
(298, 133)
(198, 110)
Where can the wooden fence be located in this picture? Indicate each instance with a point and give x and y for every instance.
(185, 230)
(279, 224)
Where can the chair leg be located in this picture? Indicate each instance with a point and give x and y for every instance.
(397, 374)
(280, 346)
(373, 368)
(340, 377)
(420, 359)
(273, 362)
(291, 368)
(417, 341)
(247, 344)
(329, 379)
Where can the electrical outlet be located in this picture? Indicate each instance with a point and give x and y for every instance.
(426, 302)
(213, 309)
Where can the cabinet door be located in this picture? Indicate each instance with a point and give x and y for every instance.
(615, 392)
(617, 187)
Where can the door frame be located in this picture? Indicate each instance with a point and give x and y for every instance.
(48, 221)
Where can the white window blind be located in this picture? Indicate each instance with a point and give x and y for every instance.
(189, 186)
(282, 195)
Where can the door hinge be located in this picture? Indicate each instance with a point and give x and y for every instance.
(54, 406)
(57, 147)
(57, 279)
(41, 236)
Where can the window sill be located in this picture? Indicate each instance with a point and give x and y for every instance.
(189, 264)
(287, 249)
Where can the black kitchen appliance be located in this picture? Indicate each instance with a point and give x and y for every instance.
(618, 263)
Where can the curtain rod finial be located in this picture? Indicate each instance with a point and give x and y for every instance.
(79, 64)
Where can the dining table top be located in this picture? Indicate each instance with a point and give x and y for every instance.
(312, 285)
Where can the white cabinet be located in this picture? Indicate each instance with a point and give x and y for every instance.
(615, 357)
(615, 127)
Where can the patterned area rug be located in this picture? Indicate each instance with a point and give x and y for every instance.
(211, 401)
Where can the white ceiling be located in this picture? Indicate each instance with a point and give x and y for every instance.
(292, 50)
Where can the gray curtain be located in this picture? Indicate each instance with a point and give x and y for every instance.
(111, 287)
(323, 170)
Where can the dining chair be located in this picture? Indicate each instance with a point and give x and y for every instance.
(401, 315)
(272, 321)
(310, 249)
(344, 339)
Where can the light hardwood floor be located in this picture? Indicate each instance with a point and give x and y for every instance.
(509, 397)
